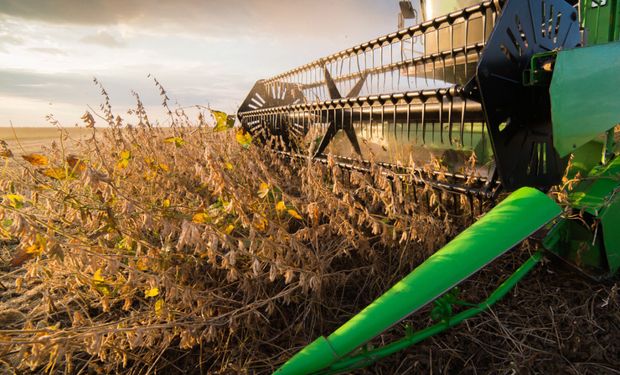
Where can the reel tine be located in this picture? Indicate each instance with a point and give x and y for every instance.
(291, 104)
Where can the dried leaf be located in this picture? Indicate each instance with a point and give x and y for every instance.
(263, 190)
(89, 120)
(57, 173)
(75, 163)
(5, 151)
(142, 264)
(260, 223)
(36, 159)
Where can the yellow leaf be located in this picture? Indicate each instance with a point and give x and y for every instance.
(221, 119)
(100, 283)
(200, 218)
(122, 164)
(178, 141)
(150, 175)
(263, 190)
(294, 214)
(228, 166)
(97, 276)
(125, 155)
(153, 292)
(142, 264)
(36, 159)
(280, 206)
(166, 203)
(56, 173)
(229, 229)
(164, 167)
(260, 223)
(15, 200)
(159, 306)
(36, 248)
(244, 138)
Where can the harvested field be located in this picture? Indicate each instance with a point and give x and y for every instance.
(190, 250)
(23, 140)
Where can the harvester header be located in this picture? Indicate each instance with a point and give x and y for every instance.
(527, 88)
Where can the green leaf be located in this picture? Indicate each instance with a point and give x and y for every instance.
(243, 138)
(15, 200)
(221, 121)
(178, 141)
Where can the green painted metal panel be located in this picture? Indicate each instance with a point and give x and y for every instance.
(575, 242)
(585, 158)
(599, 195)
(517, 217)
(611, 233)
(585, 100)
(601, 19)
(596, 191)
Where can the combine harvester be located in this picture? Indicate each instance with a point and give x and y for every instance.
(526, 85)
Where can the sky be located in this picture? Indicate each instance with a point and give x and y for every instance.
(204, 52)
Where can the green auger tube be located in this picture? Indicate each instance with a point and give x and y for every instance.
(516, 218)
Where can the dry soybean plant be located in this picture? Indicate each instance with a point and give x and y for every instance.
(188, 248)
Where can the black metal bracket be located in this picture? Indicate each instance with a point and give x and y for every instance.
(519, 116)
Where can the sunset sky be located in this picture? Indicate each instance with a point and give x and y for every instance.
(203, 51)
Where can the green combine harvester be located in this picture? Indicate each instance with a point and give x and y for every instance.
(530, 87)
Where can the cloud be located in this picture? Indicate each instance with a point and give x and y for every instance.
(10, 39)
(103, 38)
(213, 17)
(203, 51)
(49, 51)
(7, 37)
(71, 11)
(223, 91)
